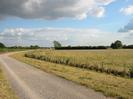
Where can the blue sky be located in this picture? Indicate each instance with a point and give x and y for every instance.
(103, 17)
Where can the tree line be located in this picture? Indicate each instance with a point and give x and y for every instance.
(57, 45)
(115, 45)
(20, 47)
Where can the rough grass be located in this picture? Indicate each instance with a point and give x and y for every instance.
(5, 50)
(109, 85)
(5, 89)
(116, 62)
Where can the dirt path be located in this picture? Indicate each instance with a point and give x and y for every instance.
(31, 83)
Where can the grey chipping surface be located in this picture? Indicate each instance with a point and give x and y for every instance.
(31, 83)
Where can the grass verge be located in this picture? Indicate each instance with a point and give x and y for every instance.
(5, 90)
(5, 50)
(109, 85)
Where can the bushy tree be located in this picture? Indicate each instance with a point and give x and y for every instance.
(116, 45)
(2, 45)
(57, 44)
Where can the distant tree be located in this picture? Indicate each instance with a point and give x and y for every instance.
(116, 45)
(2, 45)
(57, 44)
(69, 46)
(112, 45)
(34, 46)
(128, 46)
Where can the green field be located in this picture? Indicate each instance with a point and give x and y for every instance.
(5, 50)
(108, 84)
(116, 62)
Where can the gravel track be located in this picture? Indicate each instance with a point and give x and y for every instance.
(31, 83)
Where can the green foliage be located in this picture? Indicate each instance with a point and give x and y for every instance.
(128, 46)
(34, 47)
(81, 47)
(116, 45)
(57, 44)
(2, 45)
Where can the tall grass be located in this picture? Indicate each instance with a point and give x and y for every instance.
(116, 62)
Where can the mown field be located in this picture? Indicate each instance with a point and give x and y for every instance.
(5, 89)
(116, 62)
(110, 85)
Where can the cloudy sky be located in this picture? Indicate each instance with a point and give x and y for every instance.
(72, 22)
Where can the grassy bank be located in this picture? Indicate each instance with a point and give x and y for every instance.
(4, 50)
(116, 62)
(5, 89)
(109, 85)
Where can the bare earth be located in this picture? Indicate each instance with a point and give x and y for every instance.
(31, 83)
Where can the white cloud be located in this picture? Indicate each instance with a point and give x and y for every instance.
(128, 10)
(67, 36)
(105, 2)
(98, 12)
(52, 9)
